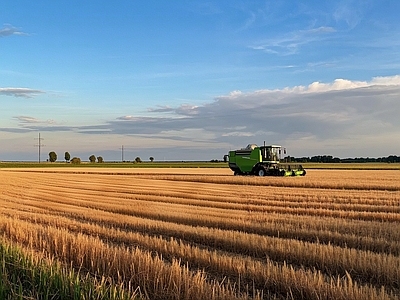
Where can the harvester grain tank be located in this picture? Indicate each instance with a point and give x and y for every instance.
(262, 161)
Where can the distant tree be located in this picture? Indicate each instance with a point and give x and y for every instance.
(52, 156)
(151, 158)
(92, 158)
(67, 156)
(100, 159)
(138, 160)
(288, 159)
(76, 160)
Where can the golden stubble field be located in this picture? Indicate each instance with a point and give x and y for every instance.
(206, 234)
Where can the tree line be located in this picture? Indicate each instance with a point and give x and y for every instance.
(331, 159)
(92, 158)
(74, 160)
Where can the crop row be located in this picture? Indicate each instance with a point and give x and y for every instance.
(151, 273)
(363, 180)
(339, 226)
(265, 242)
(374, 268)
(27, 275)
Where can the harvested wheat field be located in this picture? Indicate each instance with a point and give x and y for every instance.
(206, 234)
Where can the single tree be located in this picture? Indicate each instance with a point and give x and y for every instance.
(67, 157)
(151, 158)
(76, 160)
(138, 160)
(100, 159)
(52, 156)
(92, 158)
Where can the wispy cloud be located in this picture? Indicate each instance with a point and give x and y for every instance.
(20, 92)
(8, 30)
(163, 108)
(184, 109)
(27, 120)
(291, 42)
(350, 12)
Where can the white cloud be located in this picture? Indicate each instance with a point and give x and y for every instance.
(343, 84)
(20, 92)
(183, 109)
(125, 118)
(335, 118)
(8, 30)
(386, 81)
(337, 85)
(27, 120)
(162, 109)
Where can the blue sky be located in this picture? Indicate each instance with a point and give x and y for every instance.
(191, 80)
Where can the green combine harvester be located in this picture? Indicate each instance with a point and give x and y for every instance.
(262, 161)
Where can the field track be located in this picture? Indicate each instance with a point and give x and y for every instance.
(206, 234)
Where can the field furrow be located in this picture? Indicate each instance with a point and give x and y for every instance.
(330, 235)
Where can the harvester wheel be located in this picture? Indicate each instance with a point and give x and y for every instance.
(261, 172)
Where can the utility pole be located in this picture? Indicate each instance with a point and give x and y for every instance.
(124, 148)
(122, 153)
(39, 145)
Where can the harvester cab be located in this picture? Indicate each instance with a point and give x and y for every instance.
(271, 154)
(262, 161)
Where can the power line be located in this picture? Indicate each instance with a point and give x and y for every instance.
(122, 153)
(123, 148)
(39, 145)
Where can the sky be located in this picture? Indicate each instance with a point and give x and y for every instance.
(192, 80)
